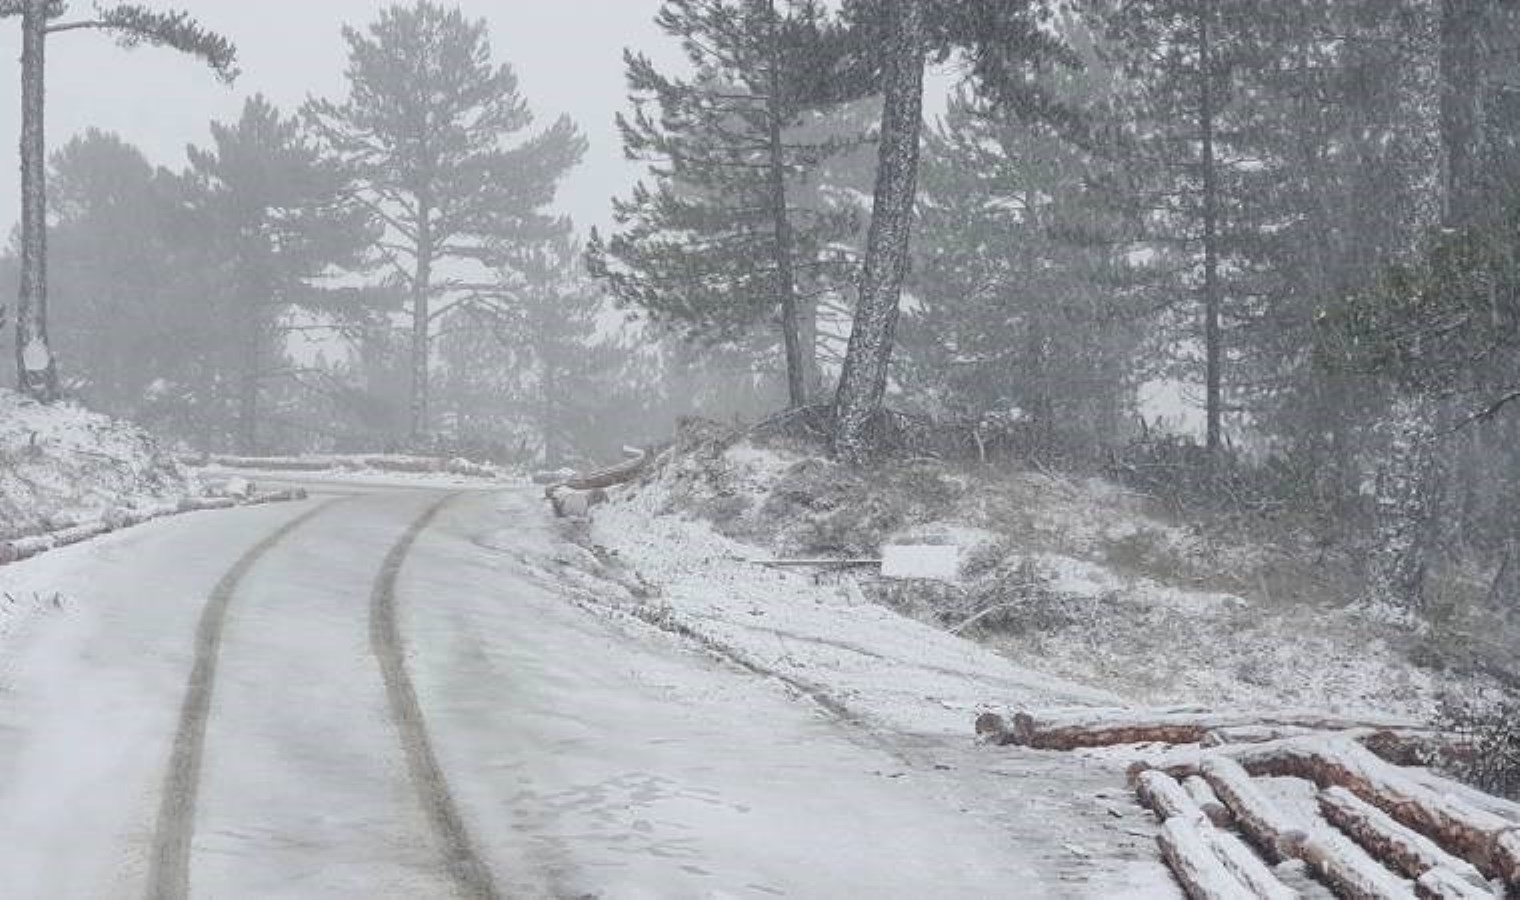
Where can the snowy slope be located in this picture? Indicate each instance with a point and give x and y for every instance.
(61, 464)
(1073, 578)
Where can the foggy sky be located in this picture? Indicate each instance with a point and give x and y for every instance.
(567, 55)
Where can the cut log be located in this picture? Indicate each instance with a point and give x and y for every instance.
(1249, 868)
(1198, 868)
(1069, 730)
(1349, 871)
(991, 728)
(1444, 884)
(1208, 801)
(1165, 796)
(612, 475)
(1171, 801)
(1403, 849)
(80, 533)
(195, 504)
(1269, 828)
(571, 503)
(1251, 734)
(553, 477)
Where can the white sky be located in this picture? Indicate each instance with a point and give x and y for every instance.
(567, 55)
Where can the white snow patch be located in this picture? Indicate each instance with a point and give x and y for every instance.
(814, 630)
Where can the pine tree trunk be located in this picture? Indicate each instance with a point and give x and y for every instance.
(807, 329)
(546, 413)
(37, 376)
(248, 388)
(1213, 392)
(422, 283)
(786, 288)
(1404, 496)
(1462, 51)
(863, 381)
(1403, 503)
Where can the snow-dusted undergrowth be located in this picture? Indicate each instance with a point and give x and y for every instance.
(61, 464)
(1070, 578)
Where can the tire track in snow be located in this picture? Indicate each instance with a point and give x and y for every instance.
(470, 874)
(169, 868)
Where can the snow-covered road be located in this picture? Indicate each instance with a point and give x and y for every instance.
(366, 695)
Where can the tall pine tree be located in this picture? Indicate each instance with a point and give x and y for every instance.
(432, 135)
(717, 243)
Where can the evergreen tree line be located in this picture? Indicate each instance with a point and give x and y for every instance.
(1294, 218)
(1297, 216)
(373, 271)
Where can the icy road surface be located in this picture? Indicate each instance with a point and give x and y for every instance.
(362, 696)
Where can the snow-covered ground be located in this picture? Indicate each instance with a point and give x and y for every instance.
(589, 752)
(61, 464)
(1072, 578)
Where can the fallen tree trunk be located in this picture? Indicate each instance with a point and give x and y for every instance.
(610, 476)
(1166, 797)
(1172, 802)
(1251, 734)
(1403, 848)
(1208, 801)
(1072, 729)
(1198, 868)
(1443, 884)
(1268, 827)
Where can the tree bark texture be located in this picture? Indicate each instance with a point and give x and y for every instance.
(786, 282)
(863, 381)
(37, 374)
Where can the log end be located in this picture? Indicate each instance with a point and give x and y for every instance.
(992, 729)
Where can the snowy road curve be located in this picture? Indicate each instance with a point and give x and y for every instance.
(368, 695)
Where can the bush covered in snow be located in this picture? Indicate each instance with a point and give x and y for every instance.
(60, 464)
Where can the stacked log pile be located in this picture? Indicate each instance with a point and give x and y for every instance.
(1381, 829)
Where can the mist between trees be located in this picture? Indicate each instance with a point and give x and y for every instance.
(1301, 213)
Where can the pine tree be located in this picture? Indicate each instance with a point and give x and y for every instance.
(1002, 41)
(280, 217)
(1023, 307)
(122, 317)
(132, 24)
(718, 243)
(430, 136)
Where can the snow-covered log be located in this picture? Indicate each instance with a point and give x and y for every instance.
(1249, 868)
(1071, 729)
(1488, 841)
(1402, 848)
(1350, 872)
(195, 504)
(1277, 834)
(571, 503)
(1171, 801)
(1198, 868)
(1251, 734)
(1443, 884)
(1208, 801)
(281, 496)
(1166, 797)
(79, 533)
(611, 475)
